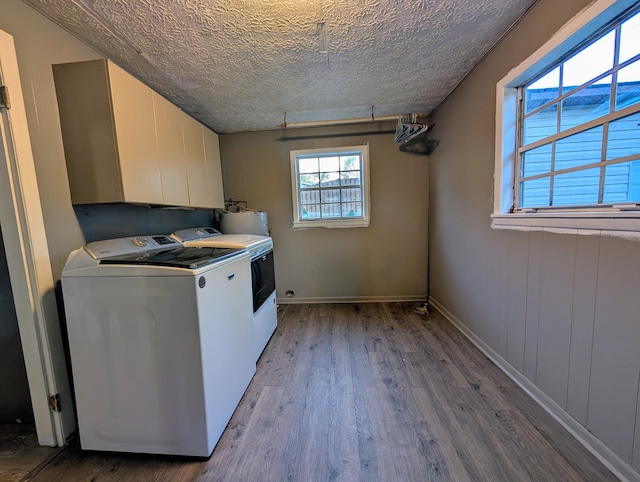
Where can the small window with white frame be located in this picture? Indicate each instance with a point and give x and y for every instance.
(568, 133)
(330, 187)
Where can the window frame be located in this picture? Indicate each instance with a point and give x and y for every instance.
(359, 222)
(619, 220)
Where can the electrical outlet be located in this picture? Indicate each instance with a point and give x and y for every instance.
(289, 294)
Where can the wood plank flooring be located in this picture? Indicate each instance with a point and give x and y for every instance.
(365, 392)
(20, 454)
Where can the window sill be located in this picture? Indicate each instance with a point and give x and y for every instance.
(355, 223)
(616, 224)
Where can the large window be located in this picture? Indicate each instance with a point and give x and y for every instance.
(580, 142)
(330, 187)
(572, 112)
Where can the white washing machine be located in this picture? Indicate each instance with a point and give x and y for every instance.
(161, 343)
(263, 283)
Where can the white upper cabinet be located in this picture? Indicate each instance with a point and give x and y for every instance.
(171, 155)
(196, 167)
(214, 170)
(135, 136)
(124, 142)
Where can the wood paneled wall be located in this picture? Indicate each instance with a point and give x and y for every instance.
(561, 309)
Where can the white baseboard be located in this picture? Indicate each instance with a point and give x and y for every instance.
(352, 299)
(604, 454)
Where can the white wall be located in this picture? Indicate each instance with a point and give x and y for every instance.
(39, 44)
(563, 310)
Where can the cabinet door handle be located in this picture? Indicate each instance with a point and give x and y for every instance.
(230, 276)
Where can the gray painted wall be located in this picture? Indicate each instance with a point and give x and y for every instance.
(561, 309)
(387, 260)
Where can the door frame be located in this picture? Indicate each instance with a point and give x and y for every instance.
(29, 263)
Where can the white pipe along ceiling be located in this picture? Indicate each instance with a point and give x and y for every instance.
(245, 65)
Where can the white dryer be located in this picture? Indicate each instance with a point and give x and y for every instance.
(160, 339)
(263, 284)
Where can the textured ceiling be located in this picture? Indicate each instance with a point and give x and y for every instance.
(240, 65)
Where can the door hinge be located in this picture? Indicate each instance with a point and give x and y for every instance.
(4, 98)
(54, 403)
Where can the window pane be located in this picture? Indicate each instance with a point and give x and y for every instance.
(542, 91)
(590, 62)
(535, 192)
(622, 183)
(586, 104)
(541, 124)
(536, 161)
(581, 187)
(309, 197)
(308, 165)
(628, 88)
(331, 210)
(328, 164)
(350, 178)
(630, 39)
(624, 137)
(328, 179)
(309, 180)
(350, 163)
(330, 195)
(352, 194)
(586, 88)
(352, 209)
(579, 149)
(311, 211)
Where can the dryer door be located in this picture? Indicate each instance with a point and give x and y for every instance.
(262, 278)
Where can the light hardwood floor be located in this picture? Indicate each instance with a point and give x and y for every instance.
(20, 454)
(365, 392)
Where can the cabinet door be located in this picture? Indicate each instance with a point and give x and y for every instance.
(86, 119)
(196, 168)
(214, 170)
(136, 137)
(171, 155)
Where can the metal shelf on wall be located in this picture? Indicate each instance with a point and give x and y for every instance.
(420, 145)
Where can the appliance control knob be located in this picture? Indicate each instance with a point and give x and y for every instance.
(140, 242)
(199, 232)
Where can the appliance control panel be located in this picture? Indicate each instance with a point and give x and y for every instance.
(137, 244)
(194, 234)
(260, 250)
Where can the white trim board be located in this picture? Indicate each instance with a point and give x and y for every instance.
(351, 299)
(603, 453)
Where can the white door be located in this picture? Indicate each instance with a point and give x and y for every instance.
(29, 264)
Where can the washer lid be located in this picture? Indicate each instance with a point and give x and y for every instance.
(190, 258)
(194, 234)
